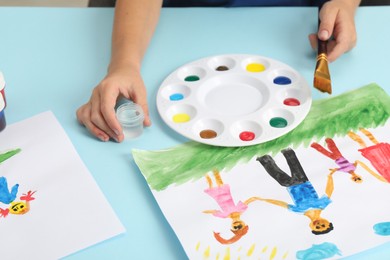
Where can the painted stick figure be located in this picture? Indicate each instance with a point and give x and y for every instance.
(19, 207)
(7, 196)
(378, 154)
(221, 194)
(301, 190)
(344, 165)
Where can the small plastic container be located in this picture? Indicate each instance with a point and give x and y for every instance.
(131, 117)
(2, 103)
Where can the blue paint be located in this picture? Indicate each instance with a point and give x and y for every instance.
(176, 97)
(382, 229)
(6, 196)
(317, 252)
(282, 80)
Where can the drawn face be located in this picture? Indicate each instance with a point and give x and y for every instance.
(237, 225)
(320, 225)
(19, 208)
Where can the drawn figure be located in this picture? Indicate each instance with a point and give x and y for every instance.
(302, 192)
(344, 165)
(19, 207)
(378, 154)
(7, 196)
(221, 194)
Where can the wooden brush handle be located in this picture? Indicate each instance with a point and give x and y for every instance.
(322, 49)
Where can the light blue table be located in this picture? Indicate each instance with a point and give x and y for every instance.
(51, 58)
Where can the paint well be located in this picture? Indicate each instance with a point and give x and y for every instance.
(192, 78)
(282, 80)
(255, 67)
(181, 118)
(176, 97)
(208, 134)
(247, 136)
(291, 102)
(278, 122)
(222, 68)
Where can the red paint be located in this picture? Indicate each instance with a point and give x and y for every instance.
(247, 136)
(291, 102)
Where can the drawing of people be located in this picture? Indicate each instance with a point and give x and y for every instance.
(221, 194)
(335, 154)
(7, 196)
(302, 192)
(19, 207)
(378, 154)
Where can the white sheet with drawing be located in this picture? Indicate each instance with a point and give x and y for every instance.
(65, 211)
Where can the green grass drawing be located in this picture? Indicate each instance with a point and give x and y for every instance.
(367, 107)
(9, 154)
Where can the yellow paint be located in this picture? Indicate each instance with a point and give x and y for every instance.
(217, 257)
(255, 67)
(227, 254)
(197, 246)
(239, 249)
(264, 249)
(206, 253)
(181, 118)
(251, 249)
(285, 255)
(273, 253)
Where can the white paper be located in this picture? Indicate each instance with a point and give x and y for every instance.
(276, 232)
(69, 212)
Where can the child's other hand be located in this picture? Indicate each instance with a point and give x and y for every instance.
(98, 114)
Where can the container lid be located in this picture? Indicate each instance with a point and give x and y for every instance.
(2, 81)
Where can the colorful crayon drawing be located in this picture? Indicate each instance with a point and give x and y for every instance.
(359, 213)
(343, 164)
(8, 195)
(301, 190)
(221, 194)
(19, 207)
(378, 154)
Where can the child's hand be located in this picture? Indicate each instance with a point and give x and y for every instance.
(98, 114)
(337, 20)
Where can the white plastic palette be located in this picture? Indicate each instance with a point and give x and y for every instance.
(234, 100)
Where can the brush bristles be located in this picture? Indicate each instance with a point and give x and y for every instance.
(322, 80)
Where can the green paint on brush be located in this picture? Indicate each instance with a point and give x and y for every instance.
(367, 107)
(9, 154)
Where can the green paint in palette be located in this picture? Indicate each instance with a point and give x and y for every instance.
(192, 78)
(278, 122)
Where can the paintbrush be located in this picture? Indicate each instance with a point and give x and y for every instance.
(322, 80)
